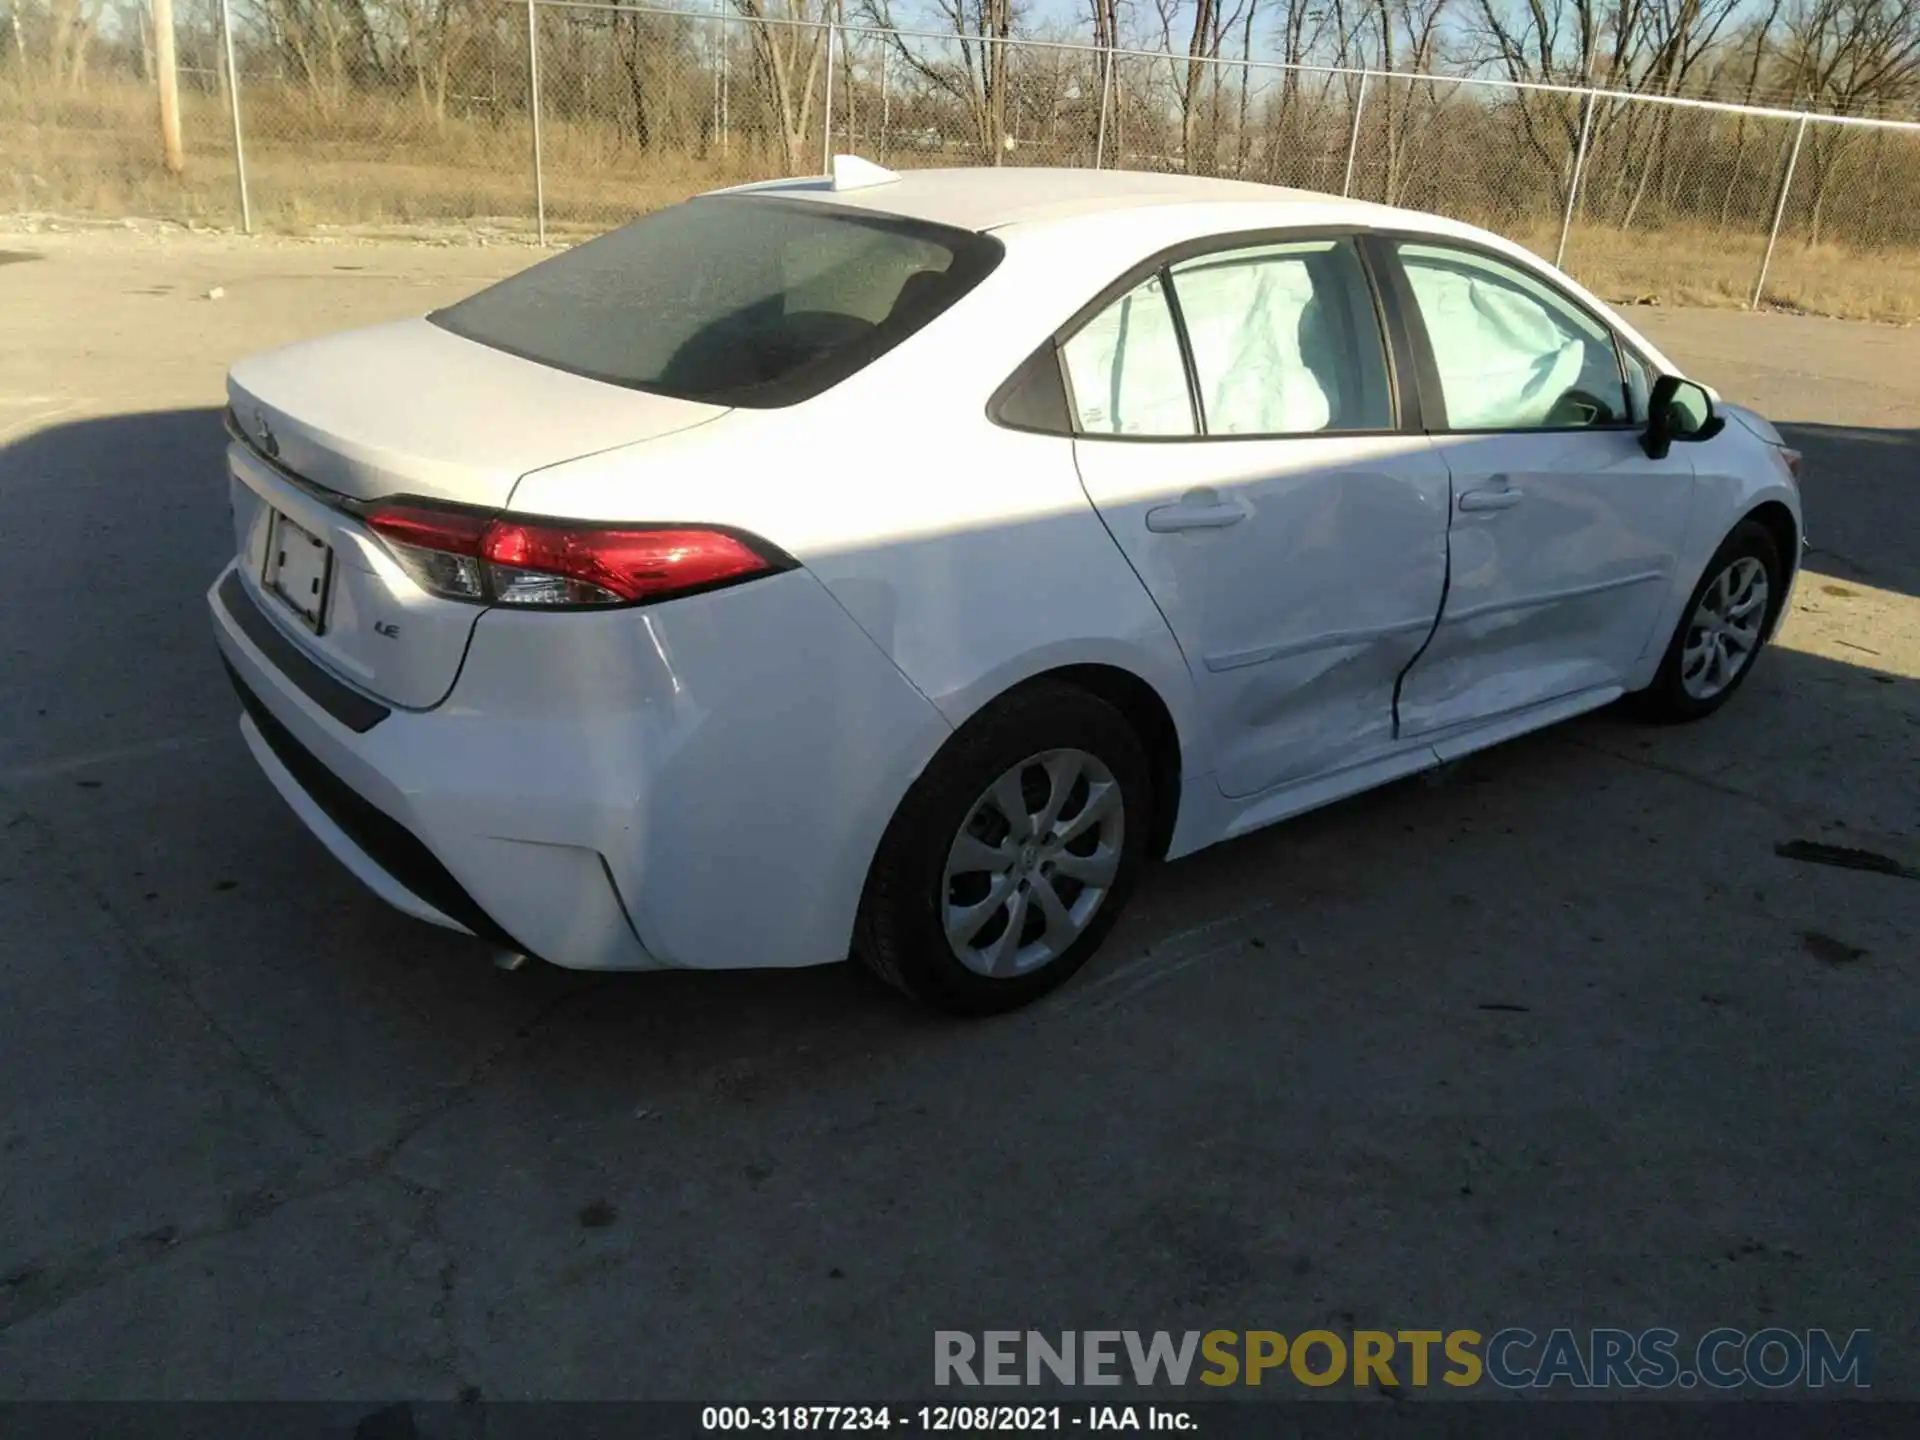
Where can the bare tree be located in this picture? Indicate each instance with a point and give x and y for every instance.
(1677, 36)
(1848, 57)
(1106, 34)
(1754, 47)
(1568, 42)
(326, 44)
(790, 59)
(72, 26)
(1406, 34)
(1242, 137)
(434, 36)
(1194, 67)
(1304, 29)
(634, 52)
(977, 77)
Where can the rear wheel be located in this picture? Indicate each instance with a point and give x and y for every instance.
(1728, 618)
(1011, 857)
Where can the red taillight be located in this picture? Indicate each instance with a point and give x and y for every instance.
(631, 564)
(457, 532)
(500, 559)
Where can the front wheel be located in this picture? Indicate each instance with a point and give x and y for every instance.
(1728, 618)
(1012, 856)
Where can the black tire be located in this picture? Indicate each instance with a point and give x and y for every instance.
(1666, 701)
(899, 934)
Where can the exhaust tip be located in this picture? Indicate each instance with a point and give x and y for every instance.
(510, 960)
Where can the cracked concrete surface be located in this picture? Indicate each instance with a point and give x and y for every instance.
(1557, 1039)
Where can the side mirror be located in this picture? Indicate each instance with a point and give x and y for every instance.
(1678, 410)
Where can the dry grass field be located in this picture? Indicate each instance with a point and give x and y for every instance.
(1701, 266)
(385, 167)
(364, 164)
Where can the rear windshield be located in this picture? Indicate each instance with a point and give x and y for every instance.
(730, 299)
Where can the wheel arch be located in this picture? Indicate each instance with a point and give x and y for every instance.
(1012, 723)
(1152, 721)
(1170, 750)
(1778, 521)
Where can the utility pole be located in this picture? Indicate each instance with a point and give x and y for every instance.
(167, 73)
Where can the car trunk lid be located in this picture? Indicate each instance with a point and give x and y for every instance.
(402, 409)
(411, 409)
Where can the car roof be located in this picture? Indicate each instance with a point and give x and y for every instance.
(993, 197)
(1064, 203)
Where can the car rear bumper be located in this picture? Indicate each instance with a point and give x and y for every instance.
(330, 751)
(388, 858)
(699, 784)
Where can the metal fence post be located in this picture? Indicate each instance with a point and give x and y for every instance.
(1353, 140)
(826, 128)
(533, 107)
(995, 60)
(716, 41)
(1106, 91)
(1573, 184)
(850, 90)
(233, 104)
(1779, 211)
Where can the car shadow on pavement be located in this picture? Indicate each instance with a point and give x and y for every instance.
(1861, 492)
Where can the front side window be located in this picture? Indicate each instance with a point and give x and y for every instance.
(1126, 371)
(1513, 353)
(731, 299)
(1285, 340)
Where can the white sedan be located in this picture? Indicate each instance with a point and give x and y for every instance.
(894, 565)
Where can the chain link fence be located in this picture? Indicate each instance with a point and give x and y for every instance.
(560, 118)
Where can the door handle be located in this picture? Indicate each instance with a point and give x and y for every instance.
(1504, 499)
(1197, 510)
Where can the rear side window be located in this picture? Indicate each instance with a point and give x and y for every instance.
(1285, 340)
(1275, 339)
(730, 299)
(1126, 370)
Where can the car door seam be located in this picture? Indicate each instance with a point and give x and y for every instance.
(1440, 610)
(1135, 569)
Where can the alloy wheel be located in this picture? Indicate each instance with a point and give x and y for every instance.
(1724, 634)
(1033, 862)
